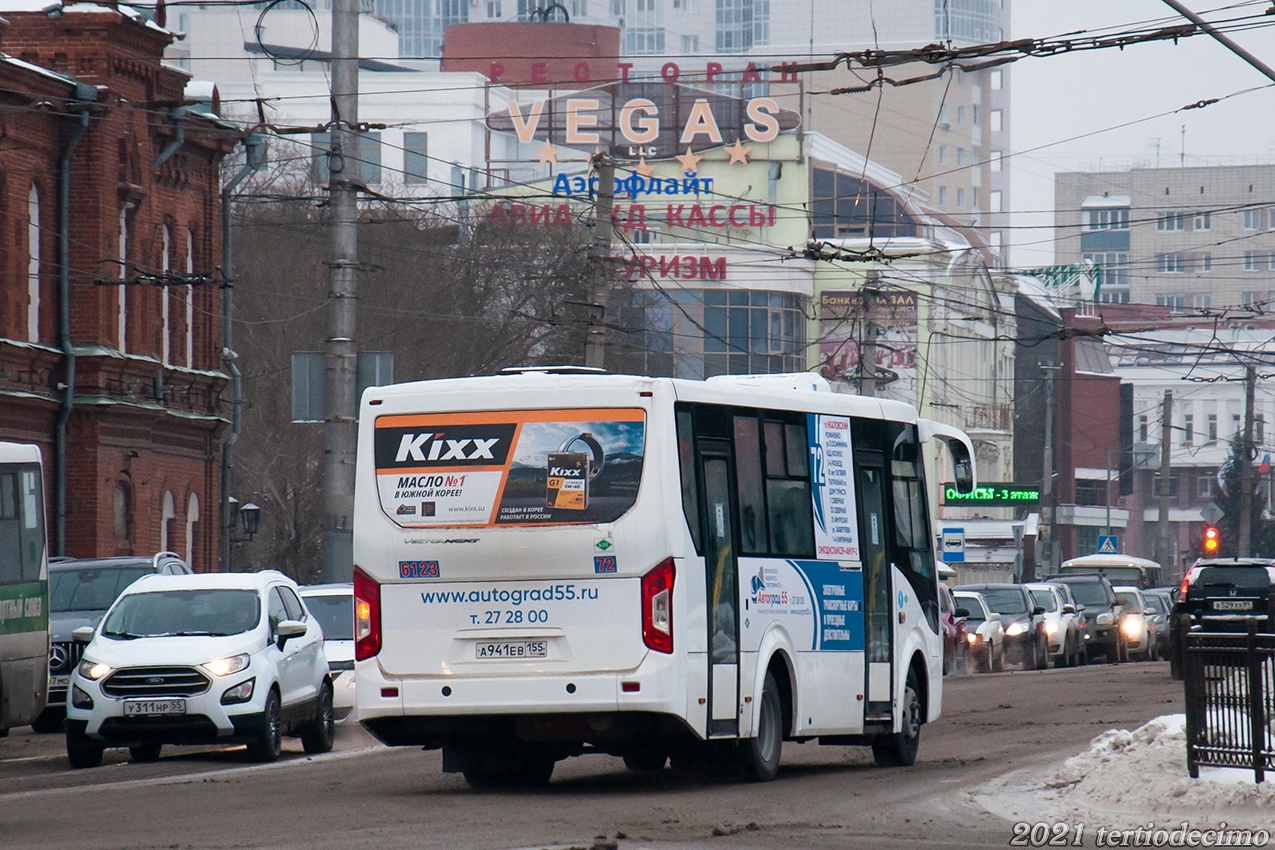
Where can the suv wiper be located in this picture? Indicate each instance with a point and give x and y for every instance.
(196, 634)
(124, 635)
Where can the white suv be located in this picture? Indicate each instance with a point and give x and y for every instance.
(213, 658)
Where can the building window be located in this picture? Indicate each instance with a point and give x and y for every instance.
(997, 77)
(1212, 424)
(579, 9)
(168, 512)
(1205, 263)
(122, 511)
(974, 114)
(942, 196)
(960, 156)
(960, 115)
(367, 157)
(494, 12)
(1170, 221)
(165, 318)
(741, 24)
(309, 381)
(415, 157)
(1173, 302)
(192, 517)
(1188, 430)
(944, 159)
(997, 120)
(1142, 428)
(1169, 263)
(1201, 221)
(644, 41)
(190, 300)
(33, 265)
(1107, 219)
(960, 198)
(1091, 492)
(1204, 484)
(122, 297)
(1252, 219)
(995, 161)
(690, 44)
(1252, 261)
(845, 205)
(995, 202)
(1155, 484)
(1201, 300)
(943, 113)
(1112, 267)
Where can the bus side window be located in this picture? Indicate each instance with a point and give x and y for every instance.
(915, 555)
(748, 480)
(791, 510)
(10, 533)
(32, 500)
(686, 469)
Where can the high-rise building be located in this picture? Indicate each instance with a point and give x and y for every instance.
(1188, 239)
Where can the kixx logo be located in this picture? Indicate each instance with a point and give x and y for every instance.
(413, 446)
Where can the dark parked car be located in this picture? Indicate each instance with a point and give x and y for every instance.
(1220, 595)
(80, 591)
(1162, 602)
(1103, 611)
(956, 648)
(1026, 641)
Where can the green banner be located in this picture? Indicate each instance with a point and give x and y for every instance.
(24, 608)
(992, 495)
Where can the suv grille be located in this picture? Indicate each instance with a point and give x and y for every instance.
(155, 682)
(64, 656)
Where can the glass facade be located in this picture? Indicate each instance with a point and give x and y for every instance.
(967, 21)
(694, 333)
(421, 23)
(848, 206)
(742, 24)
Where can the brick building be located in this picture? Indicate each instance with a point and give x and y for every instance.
(109, 309)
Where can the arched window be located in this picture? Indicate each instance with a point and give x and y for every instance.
(33, 264)
(166, 522)
(122, 320)
(123, 511)
(192, 517)
(165, 329)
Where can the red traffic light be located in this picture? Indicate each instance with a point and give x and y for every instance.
(1211, 539)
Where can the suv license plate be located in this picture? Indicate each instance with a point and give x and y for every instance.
(1232, 604)
(512, 649)
(155, 706)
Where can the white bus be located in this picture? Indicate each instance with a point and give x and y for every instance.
(24, 587)
(553, 564)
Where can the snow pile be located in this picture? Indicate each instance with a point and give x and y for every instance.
(1130, 778)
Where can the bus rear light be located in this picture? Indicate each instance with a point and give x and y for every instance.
(367, 616)
(657, 607)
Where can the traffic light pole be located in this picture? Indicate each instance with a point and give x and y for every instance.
(1246, 465)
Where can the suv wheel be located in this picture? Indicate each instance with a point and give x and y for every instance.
(269, 742)
(81, 751)
(145, 752)
(318, 735)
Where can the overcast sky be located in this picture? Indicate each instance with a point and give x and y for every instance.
(1063, 96)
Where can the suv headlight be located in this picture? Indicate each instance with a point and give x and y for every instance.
(94, 669)
(226, 666)
(1016, 629)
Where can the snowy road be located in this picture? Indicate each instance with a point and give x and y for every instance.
(825, 797)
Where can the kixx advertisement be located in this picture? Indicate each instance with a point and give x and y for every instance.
(510, 467)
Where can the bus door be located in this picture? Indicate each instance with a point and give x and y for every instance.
(721, 570)
(878, 599)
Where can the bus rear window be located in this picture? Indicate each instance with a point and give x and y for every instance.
(532, 467)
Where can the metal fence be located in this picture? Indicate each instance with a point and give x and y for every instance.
(1230, 699)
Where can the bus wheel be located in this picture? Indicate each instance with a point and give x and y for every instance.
(532, 773)
(760, 755)
(899, 749)
(645, 760)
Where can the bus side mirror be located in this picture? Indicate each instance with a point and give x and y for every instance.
(962, 466)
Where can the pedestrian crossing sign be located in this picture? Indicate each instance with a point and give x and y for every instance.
(1108, 544)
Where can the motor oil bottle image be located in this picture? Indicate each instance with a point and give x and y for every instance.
(569, 473)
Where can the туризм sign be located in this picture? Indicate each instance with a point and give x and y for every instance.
(992, 495)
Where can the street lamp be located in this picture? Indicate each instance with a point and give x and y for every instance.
(248, 516)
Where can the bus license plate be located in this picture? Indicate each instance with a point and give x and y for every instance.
(1233, 605)
(512, 649)
(155, 706)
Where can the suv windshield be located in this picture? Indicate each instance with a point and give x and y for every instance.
(1045, 599)
(1005, 600)
(335, 614)
(164, 613)
(91, 589)
(1091, 594)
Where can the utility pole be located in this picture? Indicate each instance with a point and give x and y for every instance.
(1246, 464)
(341, 349)
(1044, 535)
(600, 250)
(1164, 546)
(868, 351)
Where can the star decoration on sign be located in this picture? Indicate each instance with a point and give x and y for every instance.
(644, 170)
(738, 153)
(548, 153)
(689, 160)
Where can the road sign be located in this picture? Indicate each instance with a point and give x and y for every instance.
(953, 545)
(1108, 544)
(1211, 513)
